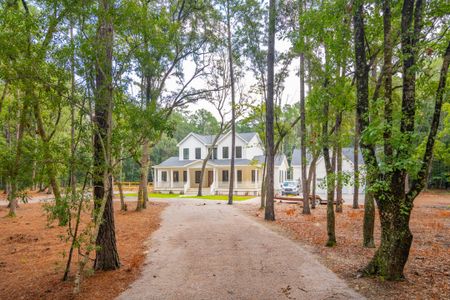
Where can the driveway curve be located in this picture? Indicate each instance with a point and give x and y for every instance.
(210, 250)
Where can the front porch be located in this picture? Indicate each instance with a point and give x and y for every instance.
(216, 180)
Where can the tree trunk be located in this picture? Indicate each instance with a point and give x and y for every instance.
(330, 182)
(73, 179)
(269, 209)
(123, 205)
(356, 167)
(396, 239)
(107, 257)
(143, 185)
(369, 221)
(13, 203)
(338, 164)
(4, 93)
(395, 208)
(314, 187)
(305, 186)
(362, 109)
(233, 106)
(263, 184)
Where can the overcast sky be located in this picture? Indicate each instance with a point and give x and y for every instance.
(290, 94)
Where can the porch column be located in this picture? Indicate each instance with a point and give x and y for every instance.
(214, 177)
(235, 177)
(188, 177)
(170, 178)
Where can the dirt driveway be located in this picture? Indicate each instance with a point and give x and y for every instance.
(206, 250)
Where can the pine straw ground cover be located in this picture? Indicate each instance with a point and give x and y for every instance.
(32, 262)
(427, 271)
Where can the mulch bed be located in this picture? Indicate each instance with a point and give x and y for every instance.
(32, 261)
(427, 271)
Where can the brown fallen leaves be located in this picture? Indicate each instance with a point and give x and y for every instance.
(427, 271)
(32, 261)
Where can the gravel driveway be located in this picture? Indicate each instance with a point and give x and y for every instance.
(210, 250)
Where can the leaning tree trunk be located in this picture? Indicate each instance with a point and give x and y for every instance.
(107, 257)
(330, 180)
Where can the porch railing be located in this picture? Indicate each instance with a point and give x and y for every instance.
(240, 184)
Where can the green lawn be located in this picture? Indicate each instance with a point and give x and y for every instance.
(219, 197)
(152, 195)
(206, 197)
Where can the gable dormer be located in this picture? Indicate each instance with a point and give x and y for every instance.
(248, 145)
(192, 147)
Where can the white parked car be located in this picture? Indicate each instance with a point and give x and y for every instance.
(290, 187)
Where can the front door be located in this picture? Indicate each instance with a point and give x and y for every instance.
(210, 178)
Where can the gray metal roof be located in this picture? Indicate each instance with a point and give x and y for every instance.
(208, 139)
(297, 157)
(247, 136)
(348, 153)
(176, 162)
(278, 159)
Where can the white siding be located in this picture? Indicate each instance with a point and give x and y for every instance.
(280, 174)
(226, 142)
(192, 143)
(254, 148)
(296, 173)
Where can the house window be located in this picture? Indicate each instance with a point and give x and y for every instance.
(225, 175)
(198, 153)
(238, 152)
(253, 175)
(239, 175)
(197, 176)
(164, 176)
(176, 176)
(224, 152)
(214, 153)
(184, 176)
(186, 153)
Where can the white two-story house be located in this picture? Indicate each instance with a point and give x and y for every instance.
(181, 174)
(321, 172)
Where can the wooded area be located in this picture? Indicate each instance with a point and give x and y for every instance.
(96, 92)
